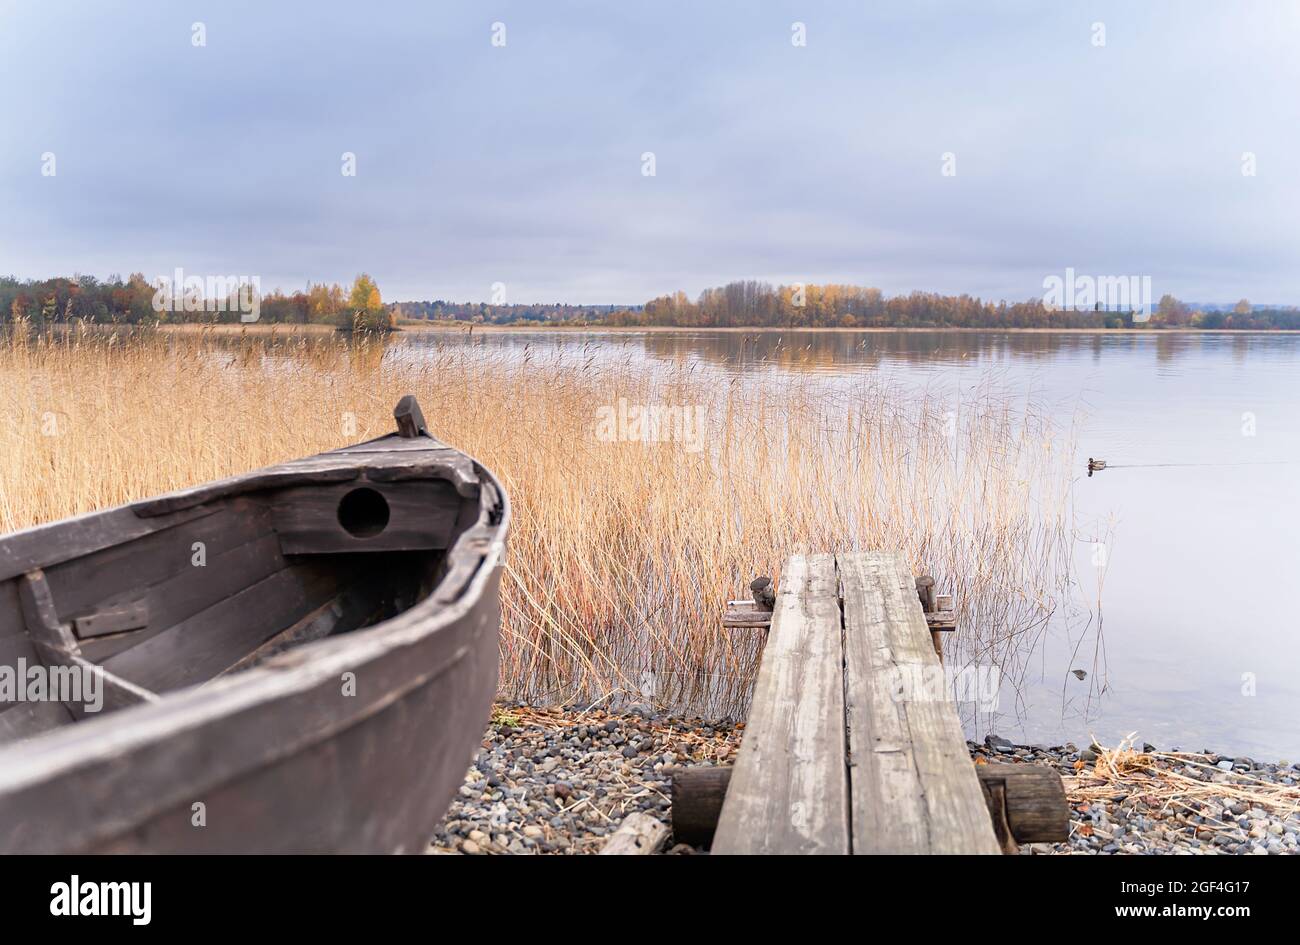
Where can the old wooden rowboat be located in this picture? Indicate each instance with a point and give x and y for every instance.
(302, 658)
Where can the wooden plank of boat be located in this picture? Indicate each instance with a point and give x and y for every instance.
(315, 678)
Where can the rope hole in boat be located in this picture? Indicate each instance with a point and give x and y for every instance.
(363, 513)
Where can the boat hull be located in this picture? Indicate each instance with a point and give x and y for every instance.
(354, 742)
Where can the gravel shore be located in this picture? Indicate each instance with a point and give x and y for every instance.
(555, 781)
(1139, 800)
(559, 781)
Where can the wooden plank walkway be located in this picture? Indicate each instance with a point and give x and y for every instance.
(843, 751)
(789, 776)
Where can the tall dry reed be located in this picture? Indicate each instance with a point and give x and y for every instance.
(622, 552)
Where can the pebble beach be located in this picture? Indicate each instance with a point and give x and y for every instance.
(557, 781)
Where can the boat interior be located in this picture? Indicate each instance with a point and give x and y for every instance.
(165, 600)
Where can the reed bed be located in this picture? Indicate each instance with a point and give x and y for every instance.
(622, 552)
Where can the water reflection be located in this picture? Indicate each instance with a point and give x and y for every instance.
(1191, 655)
(852, 352)
(1196, 512)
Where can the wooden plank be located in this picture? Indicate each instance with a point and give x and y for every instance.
(21, 720)
(14, 647)
(354, 607)
(382, 466)
(54, 641)
(214, 639)
(192, 591)
(11, 614)
(1027, 800)
(945, 620)
(395, 444)
(638, 835)
(746, 613)
(789, 792)
(119, 618)
(118, 693)
(84, 585)
(419, 516)
(301, 472)
(913, 787)
(698, 792)
(47, 545)
(57, 647)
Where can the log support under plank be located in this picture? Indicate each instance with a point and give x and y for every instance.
(1026, 803)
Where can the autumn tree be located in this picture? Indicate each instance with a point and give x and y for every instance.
(324, 303)
(1172, 312)
(367, 306)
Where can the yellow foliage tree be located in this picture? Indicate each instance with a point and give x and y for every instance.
(367, 306)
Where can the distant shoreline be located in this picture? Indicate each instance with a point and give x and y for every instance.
(465, 328)
(266, 328)
(260, 328)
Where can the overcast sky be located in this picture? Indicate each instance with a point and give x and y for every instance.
(522, 164)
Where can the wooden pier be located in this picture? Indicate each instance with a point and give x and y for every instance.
(844, 752)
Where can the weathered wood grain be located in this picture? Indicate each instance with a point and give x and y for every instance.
(376, 465)
(218, 637)
(14, 647)
(21, 720)
(354, 607)
(421, 515)
(191, 591)
(746, 613)
(941, 621)
(118, 693)
(1029, 800)
(698, 792)
(410, 419)
(117, 618)
(53, 640)
(57, 647)
(47, 545)
(789, 791)
(638, 835)
(85, 584)
(392, 444)
(913, 787)
(1034, 800)
(11, 614)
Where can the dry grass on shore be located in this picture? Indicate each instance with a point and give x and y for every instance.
(1161, 777)
(622, 553)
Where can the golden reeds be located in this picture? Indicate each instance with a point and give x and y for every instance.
(623, 552)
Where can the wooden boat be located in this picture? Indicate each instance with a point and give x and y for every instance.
(298, 659)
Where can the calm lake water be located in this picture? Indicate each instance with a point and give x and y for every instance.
(1198, 511)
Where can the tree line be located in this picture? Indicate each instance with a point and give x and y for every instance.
(751, 304)
(139, 301)
(744, 304)
(485, 312)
